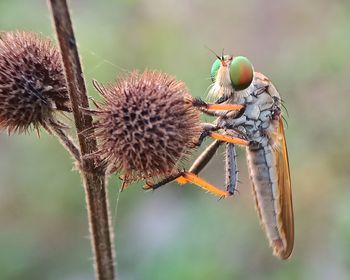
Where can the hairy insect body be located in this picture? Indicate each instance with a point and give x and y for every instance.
(255, 121)
(259, 124)
(262, 170)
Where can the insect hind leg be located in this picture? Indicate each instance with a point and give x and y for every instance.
(231, 172)
(191, 175)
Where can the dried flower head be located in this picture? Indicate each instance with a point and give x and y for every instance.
(145, 126)
(32, 82)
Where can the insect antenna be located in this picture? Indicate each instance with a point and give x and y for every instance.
(216, 55)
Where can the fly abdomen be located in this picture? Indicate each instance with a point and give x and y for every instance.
(262, 169)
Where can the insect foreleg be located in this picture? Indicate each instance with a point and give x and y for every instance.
(215, 109)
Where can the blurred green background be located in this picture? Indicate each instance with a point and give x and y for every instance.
(182, 232)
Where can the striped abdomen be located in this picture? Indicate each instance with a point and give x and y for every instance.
(263, 173)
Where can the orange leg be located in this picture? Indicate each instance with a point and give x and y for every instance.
(224, 107)
(188, 177)
(200, 104)
(228, 139)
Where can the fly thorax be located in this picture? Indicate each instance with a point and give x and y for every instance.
(257, 123)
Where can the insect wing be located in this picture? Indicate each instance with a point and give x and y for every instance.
(285, 216)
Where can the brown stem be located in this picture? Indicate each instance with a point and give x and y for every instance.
(66, 141)
(94, 181)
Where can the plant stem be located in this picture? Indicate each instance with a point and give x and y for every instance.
(66, 141)
(93, 179)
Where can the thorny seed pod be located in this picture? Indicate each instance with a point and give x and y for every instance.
(32, 82)
(145, 126)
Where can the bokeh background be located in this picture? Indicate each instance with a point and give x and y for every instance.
(182, 232)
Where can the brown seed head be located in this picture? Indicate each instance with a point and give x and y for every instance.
(145, 126)
(32, 82)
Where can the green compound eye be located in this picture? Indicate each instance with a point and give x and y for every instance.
(241, 72)
(214, 69)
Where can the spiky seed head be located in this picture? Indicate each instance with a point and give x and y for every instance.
(145, 126)
(32, 82)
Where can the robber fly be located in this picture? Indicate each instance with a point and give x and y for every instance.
(259, 127)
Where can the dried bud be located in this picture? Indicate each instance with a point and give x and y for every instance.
(145, 127)
(32, 82)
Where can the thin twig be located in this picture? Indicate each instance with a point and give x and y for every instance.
(66, 141)
(94, 181)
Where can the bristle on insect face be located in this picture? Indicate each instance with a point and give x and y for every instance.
(218, 90)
